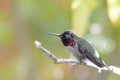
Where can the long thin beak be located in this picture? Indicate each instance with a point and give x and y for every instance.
(54, 34)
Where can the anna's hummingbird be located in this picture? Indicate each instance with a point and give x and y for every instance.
(80, 48)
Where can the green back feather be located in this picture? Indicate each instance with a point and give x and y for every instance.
(89, 48)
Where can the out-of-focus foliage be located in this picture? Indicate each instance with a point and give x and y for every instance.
(23, 21)
(114, 11)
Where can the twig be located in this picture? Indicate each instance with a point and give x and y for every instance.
(53, 57)
(113, 69)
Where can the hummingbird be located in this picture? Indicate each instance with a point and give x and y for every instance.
(80, 48)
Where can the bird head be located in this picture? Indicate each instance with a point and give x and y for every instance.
(66, 37)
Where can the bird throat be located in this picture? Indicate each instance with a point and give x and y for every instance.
(72, 43)
(69, 42)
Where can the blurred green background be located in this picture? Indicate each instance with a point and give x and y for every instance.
(24, 21)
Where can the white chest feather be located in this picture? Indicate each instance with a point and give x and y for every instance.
(74, 51)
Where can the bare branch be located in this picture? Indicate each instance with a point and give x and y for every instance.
(75, 61)
(53, 57)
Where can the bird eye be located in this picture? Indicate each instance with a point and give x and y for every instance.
(71, 36)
